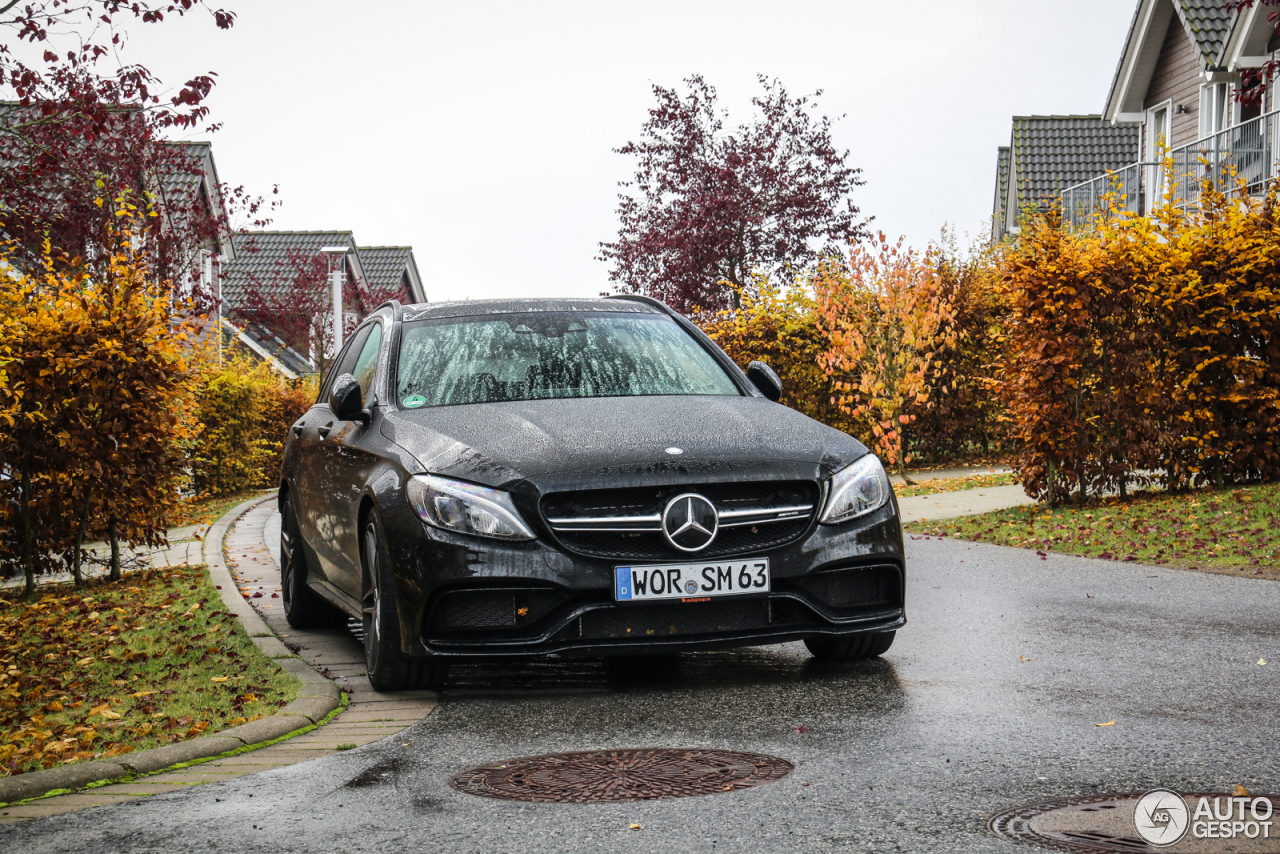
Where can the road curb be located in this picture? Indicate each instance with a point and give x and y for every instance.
(318, 700)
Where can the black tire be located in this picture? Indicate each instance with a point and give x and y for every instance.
(850, 648)
(386, 665)
(303, 607)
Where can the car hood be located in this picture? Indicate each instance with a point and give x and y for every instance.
(498, 444)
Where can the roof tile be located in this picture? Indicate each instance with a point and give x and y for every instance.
(1051, 153)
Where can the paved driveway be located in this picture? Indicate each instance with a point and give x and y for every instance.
(989, 699)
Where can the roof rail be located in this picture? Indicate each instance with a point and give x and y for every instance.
(656, 303)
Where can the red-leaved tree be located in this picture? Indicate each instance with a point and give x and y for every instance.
(709, 208)
(85, 128)
(1253, 81)
(78, 71)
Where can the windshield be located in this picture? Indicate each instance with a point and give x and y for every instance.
(538, 355)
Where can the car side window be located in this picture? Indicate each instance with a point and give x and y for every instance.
(367, 364)
(344, 363)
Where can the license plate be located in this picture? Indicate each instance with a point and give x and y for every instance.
(690, 580)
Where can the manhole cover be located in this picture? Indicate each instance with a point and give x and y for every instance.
(621, 775)
(1106, 823)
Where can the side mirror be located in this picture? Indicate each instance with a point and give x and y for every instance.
(345, 399)
(765, 379)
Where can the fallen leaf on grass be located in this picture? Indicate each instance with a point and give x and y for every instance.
(219, 678)
(1111, 722)
(142, 694)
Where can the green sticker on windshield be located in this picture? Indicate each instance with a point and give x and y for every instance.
(413, 401)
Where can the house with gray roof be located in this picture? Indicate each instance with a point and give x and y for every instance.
(290, 270)
(387, 268)
(1047, 154)
(1176, 102)
(200, 184)
(998, 215)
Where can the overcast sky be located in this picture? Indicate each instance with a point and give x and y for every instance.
(482, 134)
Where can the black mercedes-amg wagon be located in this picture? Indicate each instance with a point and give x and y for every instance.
(525, 477)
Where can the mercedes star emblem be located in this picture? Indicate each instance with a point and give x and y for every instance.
(690, 522)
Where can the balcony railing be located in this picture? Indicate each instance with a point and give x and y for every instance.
(1082, 201)
(1244, 153)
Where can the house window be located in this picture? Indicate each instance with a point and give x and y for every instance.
(1157, 145)
(1215, 106)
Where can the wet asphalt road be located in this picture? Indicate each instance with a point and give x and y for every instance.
(912, 752)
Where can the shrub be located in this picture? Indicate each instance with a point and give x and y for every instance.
(885, 318)
(1146, 350)
(780, 328)
(964, 416)
(245, 410)
(805, 333)
(96, 402)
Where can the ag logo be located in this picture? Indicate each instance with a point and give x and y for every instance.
(690, 522)
(1161, 817)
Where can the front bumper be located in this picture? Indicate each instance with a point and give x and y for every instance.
(466, 598)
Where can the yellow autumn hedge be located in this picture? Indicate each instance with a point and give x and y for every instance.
(895, 347)
(95, 403)
(244, 410)
(1146, 350)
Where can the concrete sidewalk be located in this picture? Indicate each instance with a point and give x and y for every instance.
(949, 473)
(968, 502)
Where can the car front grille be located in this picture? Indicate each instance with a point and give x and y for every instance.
(627, 523)
(652, 621)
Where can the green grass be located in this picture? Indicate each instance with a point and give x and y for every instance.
(953, 484)
(1234, 530)
(114, 668)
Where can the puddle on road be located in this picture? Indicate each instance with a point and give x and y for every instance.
(378, 774)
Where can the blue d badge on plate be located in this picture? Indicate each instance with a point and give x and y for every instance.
(622, 580)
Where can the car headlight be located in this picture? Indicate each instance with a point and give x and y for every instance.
(454, 505)
(856, 490)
